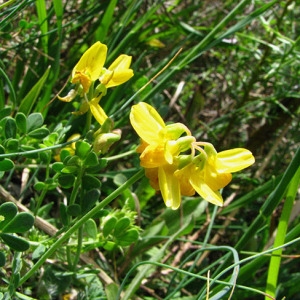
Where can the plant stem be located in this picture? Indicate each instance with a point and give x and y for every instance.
(78, 249)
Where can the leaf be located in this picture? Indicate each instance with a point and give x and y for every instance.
(12, 145)
(43, 24)
(57, 167)
(129, 237)
(90, 198)
(2, 259)
(51, 139)
(91, 160)
(106, 21)
(34, 121)
(38, 186)
(21, 122)
(74, 210)
(10, 128)
(66, 180)
(8, 210)
(120, 179)
(21, 223)
(30, 99)
(6, 165)
(91, 228)
(70, 169)
(82, 149)
(39, 133)
(111, 291)
(38, 252)
(15, 242)
(121, 226)
(109, 226)
(90, 182)
(5, 112)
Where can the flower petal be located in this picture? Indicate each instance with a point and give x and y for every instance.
(214, 179)
(146, 122)
(207, 193)
(70, 96)
(153, 156)
(97, 111)
(234, 160)
(121, 63)
(152, 175)
(169, 187)
(183, 176)
(92, 61)
(119, 77)
(118, 72)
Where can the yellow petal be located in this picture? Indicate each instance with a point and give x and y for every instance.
(119, 77)
(207, 193)
(183, 175)
(90, 64)
(214, 179)
(70, 96)
(152, 175)
(97, 111)
(234, 160)
(152, 156)
(169, 187)
(106, 76)
(143, 145)
(147, 122)
(121, 63)
(119, 71)
(83, 79)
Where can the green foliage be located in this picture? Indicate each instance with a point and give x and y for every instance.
(12, 222)
(229, 72)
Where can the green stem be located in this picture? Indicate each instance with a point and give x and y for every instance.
(118, 156)
(40, 199)
(45, 189)
(76, 187)
(13, 154)
(79, 223)
(78, 250)
(274, 266)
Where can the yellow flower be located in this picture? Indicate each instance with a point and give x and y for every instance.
(90, 65)
(211, 171)
(90, 69)
(160, 145)
(160, 142)
(176, 174)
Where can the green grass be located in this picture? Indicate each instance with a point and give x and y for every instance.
(229, 71)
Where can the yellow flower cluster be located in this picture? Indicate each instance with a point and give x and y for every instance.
(90, 69)
(177, 164)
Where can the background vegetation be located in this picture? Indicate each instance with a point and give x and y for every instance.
(235, 83)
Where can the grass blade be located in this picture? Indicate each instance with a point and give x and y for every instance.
(281, 234)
